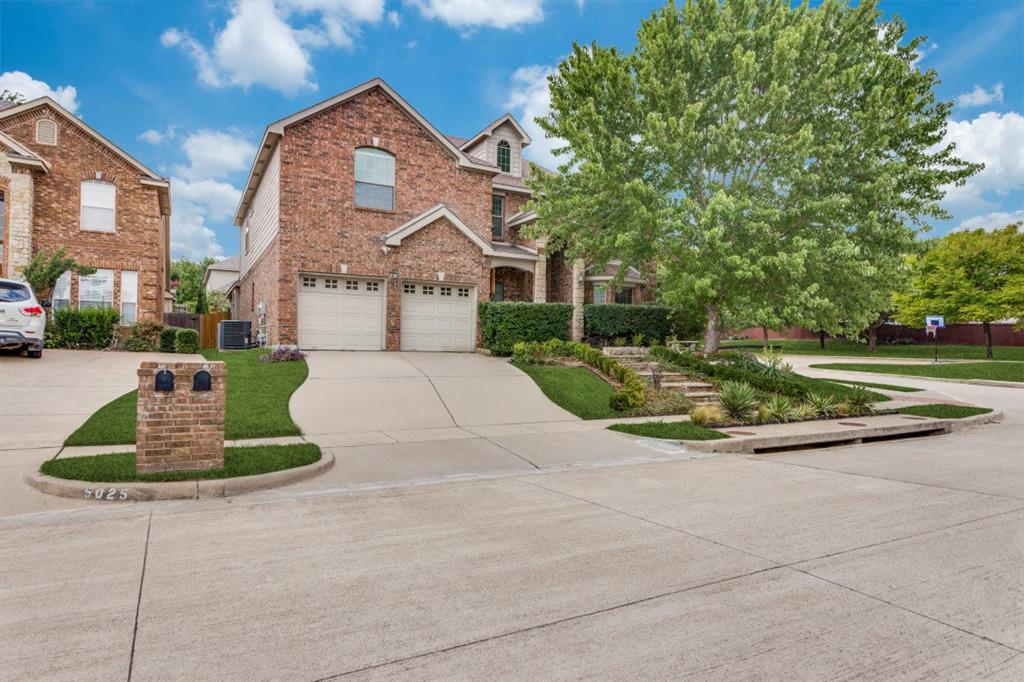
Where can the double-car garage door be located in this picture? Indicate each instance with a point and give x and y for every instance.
(347, 313)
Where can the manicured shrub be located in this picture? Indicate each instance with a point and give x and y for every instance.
(621, 323)
(167, 339)
(739, 400)
(186, 341)
(82, 328)
(143, 337)
(504, 324)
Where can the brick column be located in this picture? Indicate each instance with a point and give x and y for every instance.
(181, 429)
(540, 274)
(578, 288)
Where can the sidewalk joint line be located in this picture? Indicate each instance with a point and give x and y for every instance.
(138, 602)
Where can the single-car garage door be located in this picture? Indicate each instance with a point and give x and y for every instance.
(438, 317)
(340, 313)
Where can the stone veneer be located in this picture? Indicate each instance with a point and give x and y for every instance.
(180, 430)
(19, 196)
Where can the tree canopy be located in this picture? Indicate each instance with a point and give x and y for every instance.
(974, 276)
(189, 276)
(774, 160)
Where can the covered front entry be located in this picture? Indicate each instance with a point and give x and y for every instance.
(338, 312)
(438, 317)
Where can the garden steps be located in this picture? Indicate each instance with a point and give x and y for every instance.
(638, 360)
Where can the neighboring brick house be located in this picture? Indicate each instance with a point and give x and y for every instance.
(62, 184)
(365, 228)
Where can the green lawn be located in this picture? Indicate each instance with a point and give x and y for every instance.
(257, 402)
(944, 411)
(120, 467)
(840, 347)
(886, 387)
(997, 371)
(575, 389)
(669, 430)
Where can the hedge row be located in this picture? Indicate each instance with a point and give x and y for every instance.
(632, 394)
(606, 322)
(82, 328)
(504, 324)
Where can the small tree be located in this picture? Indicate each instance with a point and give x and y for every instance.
(202, 305)
(11, 96)
(44, 271)
(974, 276)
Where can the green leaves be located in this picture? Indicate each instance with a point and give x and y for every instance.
(45, 269)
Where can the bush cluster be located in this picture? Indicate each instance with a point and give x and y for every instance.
(504, 324)
(633, 392)
(143, 337)
(609, 321)
(82, 328)
(186, 341)
(168, 337)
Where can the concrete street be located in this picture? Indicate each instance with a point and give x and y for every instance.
(892, 560)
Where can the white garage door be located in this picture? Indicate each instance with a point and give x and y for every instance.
(340, 313)
(438, 317)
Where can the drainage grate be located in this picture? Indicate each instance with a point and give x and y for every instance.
(850, 441)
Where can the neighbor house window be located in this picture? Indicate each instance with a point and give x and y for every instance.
(600, 294)
(497, 215)
(624, 295)
(62, 292)
(96, 290)
(504, 156)
(97, 206)
(375, 179)
(129, 296)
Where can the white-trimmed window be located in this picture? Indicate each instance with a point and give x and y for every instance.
(98, 199)
(96, 290)
(600, 294)
(62, 292)
(129, 296)
(505, 156)
(46, 131)
(375, 179)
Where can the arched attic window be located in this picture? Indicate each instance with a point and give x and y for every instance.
(505, 156)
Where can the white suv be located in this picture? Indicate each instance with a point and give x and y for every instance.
(22, 318)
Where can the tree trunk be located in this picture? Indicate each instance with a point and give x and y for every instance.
(987, 326)
(713, 335)
(821, 339)
(764, 335)
(872, 338)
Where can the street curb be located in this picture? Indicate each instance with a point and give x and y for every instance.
(137, 491)
(851, 436)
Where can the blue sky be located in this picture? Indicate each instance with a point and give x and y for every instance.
(188, 87)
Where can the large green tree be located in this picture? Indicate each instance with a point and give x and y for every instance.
(975, 276)
(189, 276)
(755, 150)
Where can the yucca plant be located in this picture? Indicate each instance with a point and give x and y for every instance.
(707, 415)
(804, 411)
(773, 366)
(860, 400)
(824, 405)
(777, 408)
(739, 399)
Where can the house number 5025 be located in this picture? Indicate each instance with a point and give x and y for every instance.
(106, 493)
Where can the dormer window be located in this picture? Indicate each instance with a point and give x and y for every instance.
(505, 156)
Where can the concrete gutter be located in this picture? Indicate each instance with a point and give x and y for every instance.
(824, 433)
(139, 491)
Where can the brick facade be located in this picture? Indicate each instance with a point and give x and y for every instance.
(51, 205)
(181, 429)
(517, 285)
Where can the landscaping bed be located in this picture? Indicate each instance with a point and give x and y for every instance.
(238, 461)
(257, 402)
(992, 371)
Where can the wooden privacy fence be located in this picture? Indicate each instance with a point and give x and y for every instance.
(206, 325)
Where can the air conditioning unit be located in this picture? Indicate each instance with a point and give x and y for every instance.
(234, 334)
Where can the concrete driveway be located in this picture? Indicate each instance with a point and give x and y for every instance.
(43, 401)
(424, 416)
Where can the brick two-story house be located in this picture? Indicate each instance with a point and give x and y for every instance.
(363, 227)
(62, 184)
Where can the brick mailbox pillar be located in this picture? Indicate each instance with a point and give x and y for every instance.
(180, 416)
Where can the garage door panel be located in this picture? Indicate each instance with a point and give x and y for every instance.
(336, 314)
(438, 318)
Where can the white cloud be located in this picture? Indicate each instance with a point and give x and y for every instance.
(215, 154)
(214, 199)
(997, 140)
(190, 236)
(993, 220)
(411, 45)
(528, 99)
(979, 96)
(29, 88)
(924, 51)
(394, 18)
(269, 43)
(475, 13)
(154, 136)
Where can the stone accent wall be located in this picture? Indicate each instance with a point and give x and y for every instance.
(19, 198)
(181, 429)
(139, 242)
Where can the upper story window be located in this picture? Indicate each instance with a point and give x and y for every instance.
(497, 216)
(98, 205)
(505, 156)
(46, 131)
(375, 179)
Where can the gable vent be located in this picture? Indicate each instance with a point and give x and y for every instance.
(46, 131)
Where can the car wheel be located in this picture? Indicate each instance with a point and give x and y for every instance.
(35, 353)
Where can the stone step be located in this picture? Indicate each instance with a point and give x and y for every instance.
(688, 386)
(702, 398)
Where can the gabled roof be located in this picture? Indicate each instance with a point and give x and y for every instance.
(522, 218)
(276, 129)
(611, 270)
(504, 118)
(228, 264)
(395, 237)
(41, 101)
(19, 154)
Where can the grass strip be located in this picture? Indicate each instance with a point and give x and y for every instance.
(242, 461)
(575, 389)
(944, 411)
(855, 349)
(993, 371)
(671, 430)
(868, 384)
